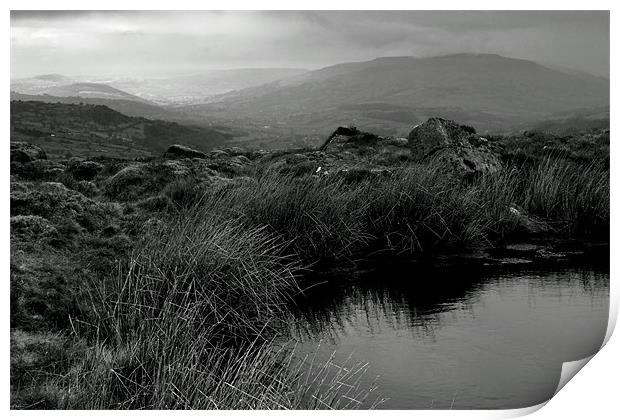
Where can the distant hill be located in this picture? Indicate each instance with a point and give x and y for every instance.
(96, 129)
(197, 88)
(53, 78)
(393, 93)
(131, 108)
(91, 90)
(36, 85)
(62, 86)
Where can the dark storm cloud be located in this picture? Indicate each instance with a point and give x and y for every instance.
(160, 42)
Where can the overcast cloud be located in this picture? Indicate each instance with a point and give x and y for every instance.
(145, 43)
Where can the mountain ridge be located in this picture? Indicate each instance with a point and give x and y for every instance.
(486, 90)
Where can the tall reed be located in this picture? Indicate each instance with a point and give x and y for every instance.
(189, 324)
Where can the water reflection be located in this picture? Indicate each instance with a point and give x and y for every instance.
(459, 337)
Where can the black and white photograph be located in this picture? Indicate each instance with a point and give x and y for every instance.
(305, 209)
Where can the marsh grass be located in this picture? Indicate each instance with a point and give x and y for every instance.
(201, 376)
(417, 209)
(189, 323)
(192, 318)
(575, 196)
(214, 272)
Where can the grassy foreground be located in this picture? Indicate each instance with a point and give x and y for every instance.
(186, 314)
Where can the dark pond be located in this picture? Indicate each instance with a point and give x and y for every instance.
(458, 337)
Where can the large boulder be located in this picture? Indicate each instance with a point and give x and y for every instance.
(179, 151)
(23, 152)
(456, 147)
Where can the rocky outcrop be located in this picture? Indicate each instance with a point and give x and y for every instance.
(456, 147)
(349, 136)
(23, 152)
(179, 151)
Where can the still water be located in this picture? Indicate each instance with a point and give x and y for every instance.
(458, 338)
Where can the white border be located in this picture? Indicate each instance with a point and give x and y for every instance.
(593, 394)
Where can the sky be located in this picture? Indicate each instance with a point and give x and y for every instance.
(164, 43)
